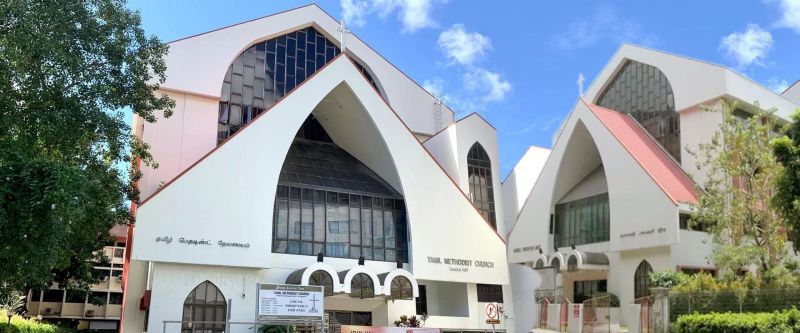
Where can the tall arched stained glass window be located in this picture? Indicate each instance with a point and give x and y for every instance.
(644, 92)
(204, 310)
(641, 280)
(481, 188)
(267, 71)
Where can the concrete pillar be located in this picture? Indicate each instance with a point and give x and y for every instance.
(659, 315)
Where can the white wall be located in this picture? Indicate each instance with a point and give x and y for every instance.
(519, 183)
(793, 92)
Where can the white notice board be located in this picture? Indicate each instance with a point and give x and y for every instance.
(290, 302)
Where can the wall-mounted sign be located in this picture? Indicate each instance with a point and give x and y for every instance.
(492, 313)
(288, 301)
(200, 242)
(527, 249)
(648, 232)
(460, 265)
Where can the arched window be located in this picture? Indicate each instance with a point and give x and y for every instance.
(401, 288)
(572, 264)
(361, 286)
(557, 264)
(481, 188)
(204, 304)
(267, 71)
(644, 92)
(539, 263)
(322, 278)
(641, 280)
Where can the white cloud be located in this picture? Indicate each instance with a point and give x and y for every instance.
(492, 85)
(748, 47)
(413, 14)
(462, 46)
(434, 86)
(777, 85)
(605, 24)
(790, 14)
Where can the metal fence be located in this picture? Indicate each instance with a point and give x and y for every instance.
(732, 301)
(597, 315)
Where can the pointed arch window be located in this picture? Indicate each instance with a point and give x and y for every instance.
(204, 310)
(644, 92)
(323, 279)
(267, 71)
(481, 188)
(362, 286)
(641, 280)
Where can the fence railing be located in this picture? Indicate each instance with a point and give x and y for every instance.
(732, 301)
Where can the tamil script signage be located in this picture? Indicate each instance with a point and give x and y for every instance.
(290, 302)
(382, 329)
(200, 242)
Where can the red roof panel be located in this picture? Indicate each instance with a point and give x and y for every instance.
(664, 170)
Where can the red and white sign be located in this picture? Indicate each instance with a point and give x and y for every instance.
(492, 312)
(576, 310)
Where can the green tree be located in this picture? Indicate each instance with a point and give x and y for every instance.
(67, 69)
(787, 196)
(734, 204)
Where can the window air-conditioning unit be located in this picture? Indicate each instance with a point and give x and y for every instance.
(89, 313)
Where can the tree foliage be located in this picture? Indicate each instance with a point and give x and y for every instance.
(735, 204)
(787, 194)
(67, 69)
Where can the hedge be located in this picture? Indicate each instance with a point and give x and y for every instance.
(785, 321)
(22, 325)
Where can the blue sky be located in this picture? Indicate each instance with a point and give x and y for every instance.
(517, 62)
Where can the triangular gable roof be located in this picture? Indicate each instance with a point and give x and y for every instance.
(664, 170)
(200, 192)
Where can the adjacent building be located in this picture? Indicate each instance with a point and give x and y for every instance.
(102, 309)
(613, 198)
(297, 154)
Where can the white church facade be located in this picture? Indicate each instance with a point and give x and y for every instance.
(293, 159)
(612, 200)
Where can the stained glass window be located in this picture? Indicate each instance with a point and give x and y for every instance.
(644, 92)
(267, 71)
(204, 304)
(481, 188)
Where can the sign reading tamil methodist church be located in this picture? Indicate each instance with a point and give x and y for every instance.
(460, 265)
(288, 301)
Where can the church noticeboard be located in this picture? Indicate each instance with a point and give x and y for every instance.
(290, 302)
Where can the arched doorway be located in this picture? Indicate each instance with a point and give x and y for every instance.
(205, 303)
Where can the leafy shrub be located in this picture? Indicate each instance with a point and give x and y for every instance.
(667, 279)
(22, 325)
(786, 321)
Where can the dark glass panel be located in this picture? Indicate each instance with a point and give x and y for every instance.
(644, 92)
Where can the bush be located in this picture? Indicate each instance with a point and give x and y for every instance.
(22, 325)
(786, 321)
